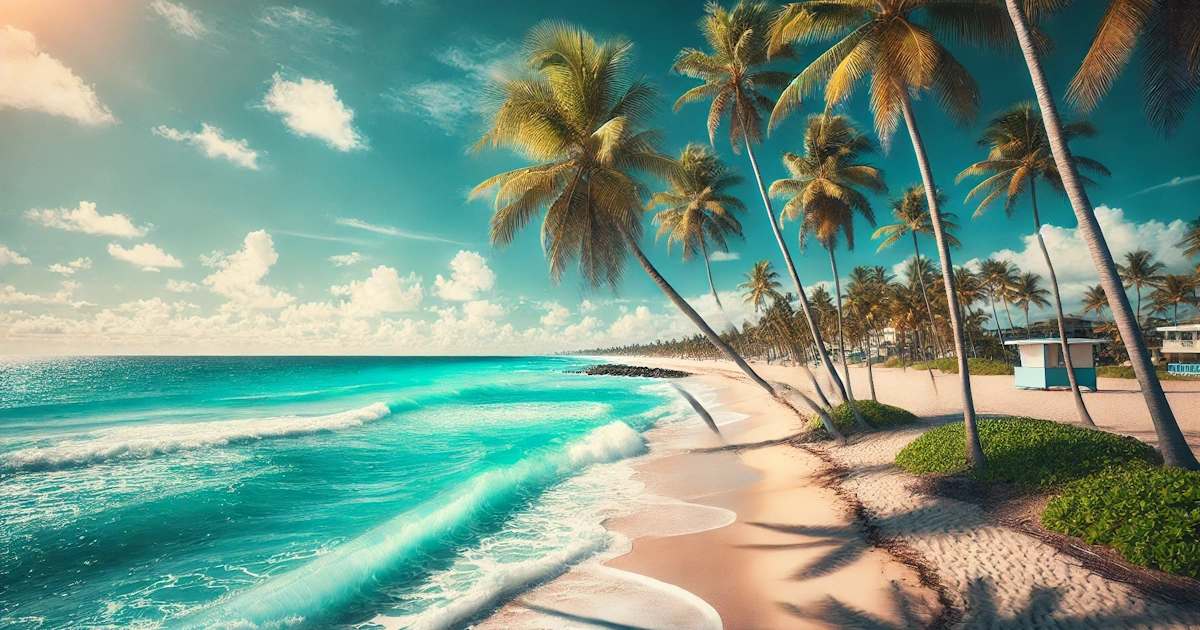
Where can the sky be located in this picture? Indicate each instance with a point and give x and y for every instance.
(205, 177)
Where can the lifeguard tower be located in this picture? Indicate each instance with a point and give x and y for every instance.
(1042, 364)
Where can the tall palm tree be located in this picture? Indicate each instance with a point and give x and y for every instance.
(1170, 291)
(1169, 33)
(1175, 449)
(1019, 156)
(995, 275)
(1191, 240)
(699, 209)
(762, 284)
(1028, 293)
(824, 193)
(1095, 301)
(897, 43)
(1139, 271)
(735, 72)
(970, 291)
(911, 211)
(866, 300)
(583, 117)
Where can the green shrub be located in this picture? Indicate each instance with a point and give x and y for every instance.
(976, 366)
(1150, 515)
(1124, 371)
(896, 362)
(878, 415)
(1037, 454)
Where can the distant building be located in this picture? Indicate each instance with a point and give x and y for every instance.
(1181, 348)
(1078, 326)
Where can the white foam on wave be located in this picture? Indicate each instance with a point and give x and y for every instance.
(335, 578)
(143, 441)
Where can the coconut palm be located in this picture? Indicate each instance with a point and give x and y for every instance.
(1175, 449)
(762, 284)
(582, 116)
(1019, 156)
(996, 276)
(1170, 291)
(970, 291)
(866, 300)
(1191, 240)
(699, 211)
(1095, 301)
(896, 42)
(911, 211)
(1139, 271)
(824, 193)
(1028, 293)
(1169, 34)
(735, 71)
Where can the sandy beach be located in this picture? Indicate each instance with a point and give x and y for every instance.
(798, 552)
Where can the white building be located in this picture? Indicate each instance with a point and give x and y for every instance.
(1181, 348)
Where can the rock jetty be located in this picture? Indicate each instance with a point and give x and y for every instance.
(616, 369)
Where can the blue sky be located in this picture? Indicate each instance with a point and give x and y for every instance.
(203, 176)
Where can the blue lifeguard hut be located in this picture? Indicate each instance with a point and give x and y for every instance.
(1042, 364)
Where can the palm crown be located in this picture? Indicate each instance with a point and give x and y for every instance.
(699, 211)
(761, 283)
(579, 112)
(911, 211)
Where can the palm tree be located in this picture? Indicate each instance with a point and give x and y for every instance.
(761, 284)
(1095, 301)
(1169, 31)
(996, 275)
(1019, 155)
(904, 57)
(970, 291)
(1170, 291)
(1140, 270)
(1175, 449)
(734, 73)
(1191, 240)
(1027, 293)
(911, 211)
(699, 210)
(866, 300)
(582, 116)
(824, 193)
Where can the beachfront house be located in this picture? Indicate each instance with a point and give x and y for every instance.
(1181, 348)
(1042, 364)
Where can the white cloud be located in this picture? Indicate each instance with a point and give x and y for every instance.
(31, 79)
(181, 19)
(181, 286)
(1174, 181)
(388, 230)
(311, 109)
(309, 24)
(10, 295)
(1073, 263)
(212, 142)
(384, 292)
(587, 306)
(719, 256)
(469, 276)
(86, 219)
(148, 257)
(71, 267)
(557, 315)
(450, 104)
(238, 276)
(9, 257)
(343, 260)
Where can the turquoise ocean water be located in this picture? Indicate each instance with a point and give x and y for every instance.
(265, 492)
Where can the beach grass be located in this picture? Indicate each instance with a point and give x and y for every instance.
(976, 366)
(878, 415)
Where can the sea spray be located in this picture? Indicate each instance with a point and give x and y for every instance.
(336, 578)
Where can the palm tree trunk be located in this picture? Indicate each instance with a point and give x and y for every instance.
(1174, 447)
(719, 344)
(974, 450)
(1012, 328)
(801, 359)
(870, 372)
(1062, 327)
(837, 289)
(1028, 332)
(925, 294)
(1139, 309)
(713, 288)
(996, 318)
(787, 258)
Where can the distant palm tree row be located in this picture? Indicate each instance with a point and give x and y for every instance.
(584, 119)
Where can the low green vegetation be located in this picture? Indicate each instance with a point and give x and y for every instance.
(1150, 515)
(1038, 454)
(1124, 371)
(878, 415)
(976, 366)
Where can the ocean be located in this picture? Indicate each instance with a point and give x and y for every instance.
(306, 492)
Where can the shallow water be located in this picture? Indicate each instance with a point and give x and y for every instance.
(304, 492)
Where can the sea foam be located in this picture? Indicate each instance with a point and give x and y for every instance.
(143, 441)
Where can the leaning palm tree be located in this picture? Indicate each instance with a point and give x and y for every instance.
(1139, 271)
(1176, 451)
(582, 116)
(911, 211)
(1028, 293)
(735, 72)
(1095, 301)
(699, 210)
(1172, 290)
(1169, 33)
(1019, 156)
(761, 285)
(897, 43)
(825, 192)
